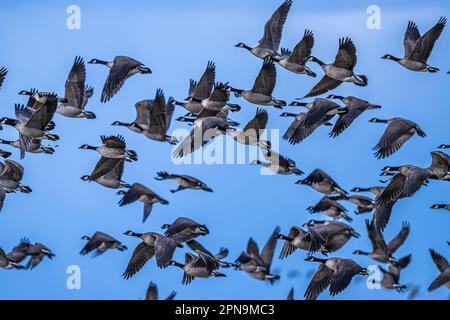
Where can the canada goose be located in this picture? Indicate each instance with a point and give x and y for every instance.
(200, 90)
(37, 253)
(204, 130)
(201, 266)
(218, 99)
(100, 242)
(441, 206)
(337, 273)
(270, 42)
(6, 263)
(291, 295)
(184, 181)
(3, 73)
(298, 238)
(121, 68)
(381, 251)
(341, 70)
(152, 293)
(396, 134)
(153, 244)
(144, 195)
(391, 277)
(261, 93)
(278, 163)
(257, 264)
(330, 208)
(295, 61)
(11, 173)
(76, 93)
(444, 269)
(252, 132)
(364, 204)
(35, 146)
(159, 118)
(184, 229)
(114, 147)
(113, 176)
(417, 48)
(405, 183)
(354, 108)
(31, 124)
(444, 146)
(142, 118)
(222, 254)
(320, 181)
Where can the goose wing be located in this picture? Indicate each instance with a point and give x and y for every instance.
(114, 141)
(345, 120)
(157, 113)
(324, 85)
(139, 258)
(394, 137)
(257, 125)
(274, 27)
(400, 238)
(269, 249)
(164, 249)
(319, 282)
(425, 44)
(134, 193)
(104, 166)
(412, 34)
(152, 292)
(3, 73)
(319, 111)
(179, 225)
(376, 238)
(345, 270)
(205, 85)
(346, 56)
(75, 84)
(393, 190)
(142, 113)
(265, 81)
(303, 49)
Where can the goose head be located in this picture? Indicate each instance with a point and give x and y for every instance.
(242, 45)
(390, 57)
(87, 238)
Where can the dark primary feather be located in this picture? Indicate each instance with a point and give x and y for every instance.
(139, 258)
(104, 166)
(205, 85)
(152, 292)
(412, 34)
(346, 56)
(303, 49)
(274, 27)
(425, 44)
(265, 81)
(400, 238)
(320, 281)
(75, 84)
(3, 73)
(324, 85)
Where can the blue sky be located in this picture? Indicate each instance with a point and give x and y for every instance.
(176, 39)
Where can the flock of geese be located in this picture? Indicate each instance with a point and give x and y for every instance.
(208, 109)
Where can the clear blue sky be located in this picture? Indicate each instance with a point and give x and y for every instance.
(176, 39)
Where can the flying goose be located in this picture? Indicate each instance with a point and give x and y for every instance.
(336, 273)
(113, 176)
(37, 252)
(184, 229)
(320, 181)
(330, 208)
(295, 61)
(257, 264)
(382, 251)
(278, 163)
(354, 108)
(159, 118)
(261, 93)
(375, 190)
(113, 147)
(144, 195)
(444, 268)
(142, 118)
(11, 173)
(398, 131)
(222, 254)
(121, 68)
(364, 204)
(200, 90)
(201, 266)
(441, 206)
(77, 93)
(152, 293)
(3, 73)
(341, 70)
(391, 277)
(418, 48)
(34, 147)
(99, 243)
(37, 99)
(298, 238)
(218, 99)
(184, 181)
(6, 263)
(270, 42)
(153, 244)
(253, 130)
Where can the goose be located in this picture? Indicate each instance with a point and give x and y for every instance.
(159, 118)
(218, 99)
(113, 147)
(354, 108)
(257, 264)
(261, 93)
(11, 173)
(341, 70)
(99, 243)
(298, 238)
(270, 42)
(152, 293)
(320, 181)
(330, 208)
(222, 254)
(113, 176)
(375, 190)
(253, 130)
(295, 61)
(184, 181)
(444, 268)
(144, 195)
(364, 204)
(418, 48)
(398, 131)
(382, 251)
(444, 146)
(37, 253)
(441, 206)
(6, 263)
(153, 244)
(142, 120)
(200, 90)
(77, 93)
(391, 277)
(204, 130)
(19, 252)
(336, 273)
(277, 163)
(184, 229)
(201, 266)
(121, 68)
(31, 124)
(35, 146)
(3, 73)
